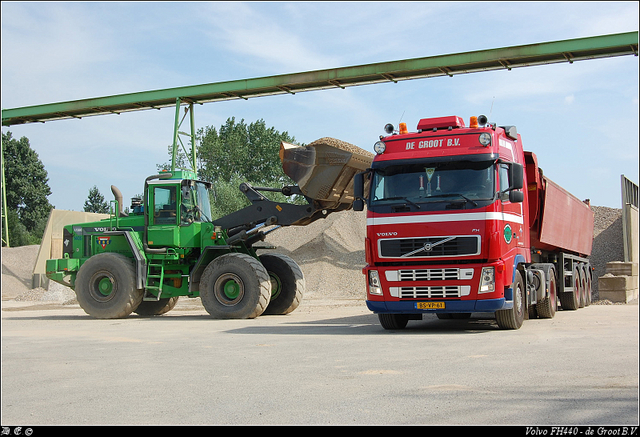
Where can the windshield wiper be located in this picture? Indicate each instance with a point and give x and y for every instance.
(456, 194)
(402, 198)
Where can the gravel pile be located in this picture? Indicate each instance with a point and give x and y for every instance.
(607, 241)
(330, 252)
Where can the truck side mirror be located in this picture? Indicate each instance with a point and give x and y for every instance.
(516, 178)
(358, 192)
(516, 196)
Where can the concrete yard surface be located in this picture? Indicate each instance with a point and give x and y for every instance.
(329, 362)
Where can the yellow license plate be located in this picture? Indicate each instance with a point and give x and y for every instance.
(430, 305)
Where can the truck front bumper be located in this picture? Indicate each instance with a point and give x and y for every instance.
(457, 306)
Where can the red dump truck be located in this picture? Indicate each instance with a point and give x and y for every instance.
(461, 220)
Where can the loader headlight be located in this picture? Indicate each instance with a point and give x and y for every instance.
(487, 280)
(379, 147)
(375, 287)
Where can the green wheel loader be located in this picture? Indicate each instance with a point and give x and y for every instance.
(169, 245)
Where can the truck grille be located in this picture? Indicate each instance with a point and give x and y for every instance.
(428, 275)
(428, 247)
(447, 274)
(450, 291)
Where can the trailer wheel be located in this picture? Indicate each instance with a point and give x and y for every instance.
(513, 318)
(548, 305)
(583, 286)
(287, 283)
(156, 307)
(106, 286)
(235, 286)
(587, 274)
(570, 300)
(393, 321)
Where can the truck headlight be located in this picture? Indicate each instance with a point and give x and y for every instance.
(487, 280)
(379, 147)
(485, 139)
(375, 287)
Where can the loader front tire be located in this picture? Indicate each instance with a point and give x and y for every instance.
(106, 286)
(235, 286)
(287, 283)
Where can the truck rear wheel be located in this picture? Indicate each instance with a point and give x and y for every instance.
(156, 307)
(287, 283)
(393, 321)
(106, 286)
(570, 300)
(235, 286)
(514, 317)
(583, 286)
(587, 274)
(548, 305)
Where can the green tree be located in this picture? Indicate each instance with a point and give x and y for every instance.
(238, 152)
(27, 190)
(95, 202)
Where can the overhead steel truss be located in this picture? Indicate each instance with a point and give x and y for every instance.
(433, 66)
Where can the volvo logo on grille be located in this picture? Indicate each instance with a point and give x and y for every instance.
(428, 247)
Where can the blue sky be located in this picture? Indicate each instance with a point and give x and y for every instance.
(580, 119)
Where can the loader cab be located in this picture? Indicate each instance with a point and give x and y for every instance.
(174, 208)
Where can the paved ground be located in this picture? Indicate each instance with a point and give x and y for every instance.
(329, 362)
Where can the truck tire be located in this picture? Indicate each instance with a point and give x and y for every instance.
(156, 307)
(235, 286)
(587, 274)
(548, 305)
(393, 321)
(514, 317)
(287, 283)
(106, 286)
(583, 286)
(570, 300)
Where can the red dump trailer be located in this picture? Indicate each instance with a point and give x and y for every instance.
(462, 220)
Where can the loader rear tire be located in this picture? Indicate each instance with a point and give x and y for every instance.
(106, 286)
(235, 286)
(287, 283)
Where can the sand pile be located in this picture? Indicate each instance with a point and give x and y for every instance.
(17, 273)
(330, 253)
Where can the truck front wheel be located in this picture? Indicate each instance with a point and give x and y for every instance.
(106, 286)
(393, 321)
(235, 286)
(287, 283)
(513, 318)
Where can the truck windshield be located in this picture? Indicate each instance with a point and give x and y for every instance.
(434, 185)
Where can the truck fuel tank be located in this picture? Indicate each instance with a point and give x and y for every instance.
(324, 169)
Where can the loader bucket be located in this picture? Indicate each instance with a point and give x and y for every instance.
(324, 169)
